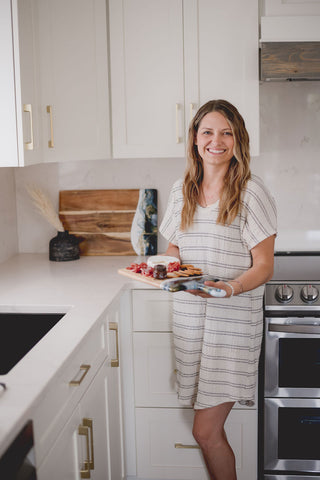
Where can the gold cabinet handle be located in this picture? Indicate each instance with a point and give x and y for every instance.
(182, 445)
(76, 383)
(192, 107)
(85, 472)
(178, 140)
(115, 361)
(27, 108)
(50, 142)
(87, 422)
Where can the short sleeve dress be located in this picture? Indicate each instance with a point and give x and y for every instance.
(218, 340)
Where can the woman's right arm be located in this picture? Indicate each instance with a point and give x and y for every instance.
(173, 251)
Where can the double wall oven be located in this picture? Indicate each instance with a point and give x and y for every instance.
(290, 403)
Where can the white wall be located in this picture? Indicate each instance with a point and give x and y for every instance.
(8, 218)
(289, 163)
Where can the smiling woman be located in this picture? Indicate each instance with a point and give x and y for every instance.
(222, 220)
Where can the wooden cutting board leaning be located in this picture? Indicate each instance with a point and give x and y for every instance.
(101, 219)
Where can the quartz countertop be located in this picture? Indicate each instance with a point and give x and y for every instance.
(81, 289)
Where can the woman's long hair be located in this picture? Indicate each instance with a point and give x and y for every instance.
(237, 175)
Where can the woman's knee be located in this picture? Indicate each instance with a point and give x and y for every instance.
(207, 437)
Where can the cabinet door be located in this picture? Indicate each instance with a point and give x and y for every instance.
(74, 82)
(227, 56)
(154, 370)
(167, 449)
(115, 397)
(83, 444)
(63, 459)
(8, 127)
(151, 311)
(146, 54)
(94, 413)
(24, 137)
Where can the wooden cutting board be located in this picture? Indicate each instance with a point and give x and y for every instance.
(141, 278)
(101, 219)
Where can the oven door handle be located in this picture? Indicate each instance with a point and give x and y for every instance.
(275, 327)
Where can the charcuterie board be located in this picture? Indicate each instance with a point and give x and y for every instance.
(141, 278)
(176, 284)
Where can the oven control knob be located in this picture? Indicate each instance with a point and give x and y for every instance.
(284, 293)
(309, 293)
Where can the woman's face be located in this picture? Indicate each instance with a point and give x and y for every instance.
(215, 140)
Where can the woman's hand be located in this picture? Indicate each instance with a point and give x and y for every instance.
(219, 284)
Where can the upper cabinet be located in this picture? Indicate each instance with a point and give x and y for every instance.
(54, 82)
(168, 58)
(19, 90)
(74, 79)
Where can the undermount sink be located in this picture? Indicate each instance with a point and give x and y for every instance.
(19, 334)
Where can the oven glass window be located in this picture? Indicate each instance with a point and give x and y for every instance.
(299, 433)
(299, 362)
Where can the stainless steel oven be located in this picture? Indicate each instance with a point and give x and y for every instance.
(292, 356)
(290, 404)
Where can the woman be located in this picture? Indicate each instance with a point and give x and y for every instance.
(223, 220)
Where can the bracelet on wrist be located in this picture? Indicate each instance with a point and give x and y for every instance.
(240, 285)
(232, 289)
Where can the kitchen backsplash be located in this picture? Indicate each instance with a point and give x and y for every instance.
(289, 163)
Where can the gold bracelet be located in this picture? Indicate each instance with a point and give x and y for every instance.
(241, 286)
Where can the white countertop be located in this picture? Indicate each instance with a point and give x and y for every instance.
(31, 283)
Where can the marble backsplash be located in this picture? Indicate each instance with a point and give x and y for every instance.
(289, 163)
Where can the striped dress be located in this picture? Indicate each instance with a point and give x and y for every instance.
(218, 340)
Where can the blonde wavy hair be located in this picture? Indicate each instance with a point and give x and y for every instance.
(237, 175)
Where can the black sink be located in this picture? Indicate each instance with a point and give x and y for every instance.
(19, 332)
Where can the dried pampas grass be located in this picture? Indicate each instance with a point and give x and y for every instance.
(45, 207)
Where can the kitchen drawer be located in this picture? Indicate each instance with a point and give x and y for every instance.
(164, 437)
(61, 397)
(154, 370)
(151, 310)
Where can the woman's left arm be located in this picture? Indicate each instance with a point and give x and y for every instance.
(259, 273)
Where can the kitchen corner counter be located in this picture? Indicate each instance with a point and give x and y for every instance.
(82, 289)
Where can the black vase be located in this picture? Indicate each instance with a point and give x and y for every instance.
(64, 247)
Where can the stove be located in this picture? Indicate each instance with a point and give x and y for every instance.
(289, 400)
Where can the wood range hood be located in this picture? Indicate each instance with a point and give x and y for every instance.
(290, 48)
(289, 61)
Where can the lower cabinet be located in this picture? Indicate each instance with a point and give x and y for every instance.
(164, 445)
(166, 448)
(89, 439)
(82, 449)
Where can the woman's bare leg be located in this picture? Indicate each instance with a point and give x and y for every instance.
(208, 430)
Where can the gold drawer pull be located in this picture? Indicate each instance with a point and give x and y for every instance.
(85, 472)
(85, 369)
(115, 361)
(178, 140)
(27, 108)
(50, 142)
(87, 422)
(192, 107)
(181, 445)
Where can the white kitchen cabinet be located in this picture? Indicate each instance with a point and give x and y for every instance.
(163, 429)
(167, 59)
(84, 433)
(54, 82)
(166, 448)
(83, 445)
(19, 84)
(73, 55)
